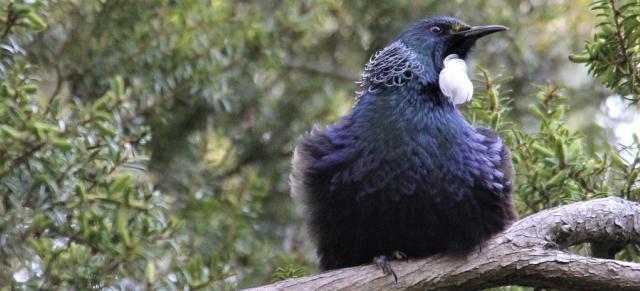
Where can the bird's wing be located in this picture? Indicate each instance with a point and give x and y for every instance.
(319, 155)
(504, 166)
(327, 162)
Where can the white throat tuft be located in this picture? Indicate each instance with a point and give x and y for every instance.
(454, 81)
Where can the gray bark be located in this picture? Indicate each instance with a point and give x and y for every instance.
(532, 252)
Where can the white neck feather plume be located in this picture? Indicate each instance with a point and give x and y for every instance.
(454, 81)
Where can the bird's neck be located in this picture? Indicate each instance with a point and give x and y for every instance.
(429, 76)
(402, 113)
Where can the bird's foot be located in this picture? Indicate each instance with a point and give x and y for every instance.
(383, 263)
(385, 266)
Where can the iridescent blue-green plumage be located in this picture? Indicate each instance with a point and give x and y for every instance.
(404, 171)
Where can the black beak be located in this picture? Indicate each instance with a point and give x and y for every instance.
(462, 41)
(480, 31)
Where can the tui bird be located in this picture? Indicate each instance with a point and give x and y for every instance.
(405, 173)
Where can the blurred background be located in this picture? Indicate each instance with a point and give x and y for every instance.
(147, 143)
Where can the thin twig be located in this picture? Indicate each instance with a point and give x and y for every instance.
(626, 59)
(12, 18)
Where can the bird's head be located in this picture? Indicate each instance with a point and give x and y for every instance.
(436, 37)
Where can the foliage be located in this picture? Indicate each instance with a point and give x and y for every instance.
(614, 54)
(558, 168)
(491, 104)
(288, 272)
(146, 144)
(78, 210)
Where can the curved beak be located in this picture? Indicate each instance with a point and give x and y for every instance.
(463, 40)
(480, 31)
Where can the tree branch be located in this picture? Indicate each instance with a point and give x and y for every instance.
(12, 17)
(532, 252)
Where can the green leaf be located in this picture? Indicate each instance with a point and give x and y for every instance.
(81, 191)
(556, 178)
(536, 111)
(35, 21)
(150, 272)
(617, 161)
(123, 226)
(30, 89)
(106, 130)
(581, 58)
(542, 150)
(12, 132)
(120, 184)
(62, 144)
(633, 177)
(22, 9)
(102, 102)
(495, 120)
(118, 85)
(7, 91)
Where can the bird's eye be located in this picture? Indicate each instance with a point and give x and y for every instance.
(435, 30)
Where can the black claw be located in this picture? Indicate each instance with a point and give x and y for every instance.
(385, 266)
(398, 255)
